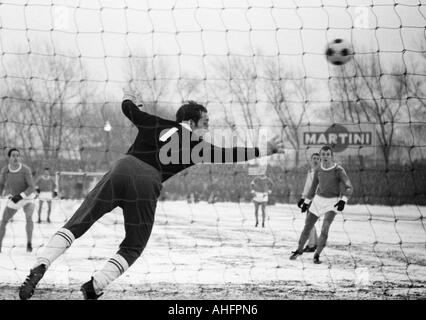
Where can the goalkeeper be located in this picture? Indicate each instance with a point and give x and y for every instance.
(162, 148)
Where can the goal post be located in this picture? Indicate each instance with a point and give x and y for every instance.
(76, 184)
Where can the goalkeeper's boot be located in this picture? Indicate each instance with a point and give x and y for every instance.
(295, 254)
(29, 247)
(89, 292)
(26, 290)
(317, 259)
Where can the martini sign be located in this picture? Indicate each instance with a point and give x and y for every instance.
(339, 138)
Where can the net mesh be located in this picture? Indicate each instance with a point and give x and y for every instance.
(255, 65)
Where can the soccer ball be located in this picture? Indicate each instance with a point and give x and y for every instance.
(339, 52)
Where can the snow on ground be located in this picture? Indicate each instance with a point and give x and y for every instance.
(203, 246)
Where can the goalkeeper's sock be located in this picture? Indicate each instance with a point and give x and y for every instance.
(114, 268)
(56, 246)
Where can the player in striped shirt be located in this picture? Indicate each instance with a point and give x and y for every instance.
(261, 189)
(162, 148)
(313, 238)
(327, 200)
(17, 180)
(46, 190)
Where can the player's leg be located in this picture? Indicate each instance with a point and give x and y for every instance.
(141, 196)
(310, 221)
(49, 210)
(96, 204)
(40, 206)
(312, 242)
(263, 214)
(7, 215)
(322, 240)
(29, 226)
(256, 212)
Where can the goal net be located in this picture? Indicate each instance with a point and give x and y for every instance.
(258, 66)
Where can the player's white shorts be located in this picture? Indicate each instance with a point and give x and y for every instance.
(321, 205)
(45, 196)
(16, 206)
(12, 205)
(260, 197)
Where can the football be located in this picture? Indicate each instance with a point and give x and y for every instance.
(339, 52)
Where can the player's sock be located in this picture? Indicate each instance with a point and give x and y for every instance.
(114, 268)
(56, 246)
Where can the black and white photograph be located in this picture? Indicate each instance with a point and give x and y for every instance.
(231, 151)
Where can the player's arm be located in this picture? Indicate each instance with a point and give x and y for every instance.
(271, 185)
(311, 193)
(30, 183)
(2, 180)
(55, 188)
(306, 188)
(241, 154)
(347, 192)
(252, 185)
(134, 114)
(36, 186)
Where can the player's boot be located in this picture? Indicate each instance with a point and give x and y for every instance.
(39, 221)
(295, 254)
(257, 223)
(29, 247)
(89, 292)
(26, 290)
(310, 249)
(48, 220)
(317, 260)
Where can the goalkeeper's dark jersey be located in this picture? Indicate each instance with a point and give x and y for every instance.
(170, 147)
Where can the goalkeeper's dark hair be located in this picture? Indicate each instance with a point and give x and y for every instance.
(315, 154)
(9, 153)
(190, 110)
(326, 148)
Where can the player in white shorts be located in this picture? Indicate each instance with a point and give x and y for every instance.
(327, 200)
(46, 189)
(17, 179)
(261, 188)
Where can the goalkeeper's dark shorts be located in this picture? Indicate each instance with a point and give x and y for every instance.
(134, 186)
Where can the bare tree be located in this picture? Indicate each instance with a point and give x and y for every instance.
(238, 90)
(149, 78)
(366, 94)
(288, 96)
(43, 95)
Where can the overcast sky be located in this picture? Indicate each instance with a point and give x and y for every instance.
(193, 34)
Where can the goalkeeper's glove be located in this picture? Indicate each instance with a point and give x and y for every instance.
(301, 202)
(132, 96)
(16, 198)
(55, 194)
(340, 205)
(37, 190)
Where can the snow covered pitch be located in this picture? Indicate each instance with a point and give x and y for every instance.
(205, 251)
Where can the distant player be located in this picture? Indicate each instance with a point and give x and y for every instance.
(261, 188)
(313, 238)
(46, 190)
(327, 200)
(162, 148)
(17, 180)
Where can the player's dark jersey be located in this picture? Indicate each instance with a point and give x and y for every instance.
(170, 147)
